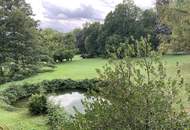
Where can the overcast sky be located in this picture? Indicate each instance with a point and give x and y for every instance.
(65, 15)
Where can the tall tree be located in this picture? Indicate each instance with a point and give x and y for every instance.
(91, 41)
(17, 31)
(176, 15)
(18, 40)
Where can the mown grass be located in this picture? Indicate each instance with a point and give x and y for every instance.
(20, 119)
(77, 69)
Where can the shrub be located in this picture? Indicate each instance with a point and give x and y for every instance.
(38, 104)
(15, 93)
(62, 55)
(57, 118)
(69, 54)
(61, 85)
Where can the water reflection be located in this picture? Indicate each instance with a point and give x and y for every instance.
(68, 101)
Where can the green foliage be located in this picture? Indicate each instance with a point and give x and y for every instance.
(18, 40)
(137, 95)
(62, 85)
(15, 93)
(115, 45)
(38, 104)
(51, 40)
(58, 45)
(126, 21)
(91, 40)
(176, 15)
(62, 55)
(57, 118)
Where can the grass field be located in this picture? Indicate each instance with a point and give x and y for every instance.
(21, 120)
(77, 69)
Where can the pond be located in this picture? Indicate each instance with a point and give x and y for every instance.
(68, 101)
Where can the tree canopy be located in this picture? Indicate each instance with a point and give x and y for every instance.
(126, 21)
(176, 15)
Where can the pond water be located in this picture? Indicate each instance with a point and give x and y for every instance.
(68, 101)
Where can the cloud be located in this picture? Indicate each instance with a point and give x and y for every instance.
(62, 25)
(82, 12)
(65, 15)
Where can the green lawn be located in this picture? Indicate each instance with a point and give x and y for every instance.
(21, 120)
(77, 69)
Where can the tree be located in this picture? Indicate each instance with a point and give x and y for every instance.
(80, 39)
(126, 21)
(148, 24)
(58, 45)
(69, 41)
(51, 41)
(135, 94)
(61, 55)
(18, 39)
(113, 44)
(176, 15)
(18, 29)
(38, 104)
(91, 42)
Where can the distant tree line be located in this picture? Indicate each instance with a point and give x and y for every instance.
(166, 25)
(121, 27)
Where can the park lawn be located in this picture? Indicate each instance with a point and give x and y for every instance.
(21, 120)
(78, 69)
(86, 68)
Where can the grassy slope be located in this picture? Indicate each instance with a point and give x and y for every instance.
(78, 69)
(21, 120)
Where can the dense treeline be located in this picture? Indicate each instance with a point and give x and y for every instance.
(166, 25)
(121, 27)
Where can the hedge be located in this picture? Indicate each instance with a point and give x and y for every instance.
(18, 92)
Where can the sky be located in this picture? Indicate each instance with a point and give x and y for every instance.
(66, 15)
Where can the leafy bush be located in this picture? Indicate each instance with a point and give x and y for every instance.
(57, 118)
(38, 104)
(14, 72)
(61, 85)
(62, 55)
(15, 93)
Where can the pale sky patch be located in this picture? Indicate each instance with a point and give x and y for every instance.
(65, 15)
